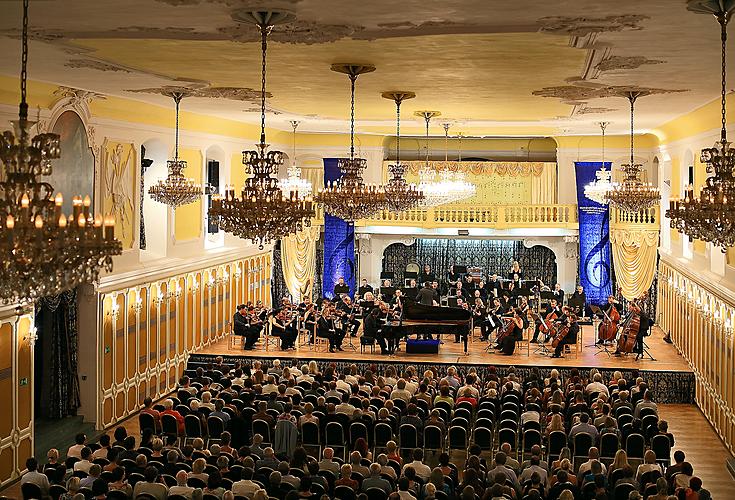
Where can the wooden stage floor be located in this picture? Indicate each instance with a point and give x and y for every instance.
(667, 356)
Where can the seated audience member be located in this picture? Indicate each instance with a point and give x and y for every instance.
(375, 481)
(76, 449)
(182, 489)
(327, 463)
(422, 470)
(150, 485)
(35, 477)
(345, 478)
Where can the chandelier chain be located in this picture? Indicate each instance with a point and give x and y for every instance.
(632, 97)
(24, 68)
(177, 100)
(353, 78)
(446, 141)
(264, 31)
(722, 18)
(398, 131)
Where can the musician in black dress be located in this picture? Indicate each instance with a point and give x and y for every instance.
(507, 344)
(515, 268)
(453, 277)
(340, 288)
(284, 327)
(346, 311)
(568, 319)
(426, 275)
(493, 319)
(307, 310)
(255, 326)
(326, 328)
(479, 312)
(492, 287)
(551, 308)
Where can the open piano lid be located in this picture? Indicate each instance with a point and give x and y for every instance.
(416, 313)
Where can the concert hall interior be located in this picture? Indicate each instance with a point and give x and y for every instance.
(258, 249)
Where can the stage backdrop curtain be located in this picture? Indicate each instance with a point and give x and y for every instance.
(298, 259)
(57, 329)
(634, 258)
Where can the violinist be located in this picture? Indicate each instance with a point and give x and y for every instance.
(255, 326)
(346, 311)
(326, 328)
(240, 321)
(387, 334)
(478, 312)
(308, 312)
(284, 327)
(568, 332)
(396, 303)
(550, 314)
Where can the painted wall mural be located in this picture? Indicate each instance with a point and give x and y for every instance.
(119, 189)
(73, 173)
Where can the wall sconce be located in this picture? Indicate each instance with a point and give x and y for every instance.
(115, 311)
(176, 294)
(138, 304)
(32, 336)
(223, 278)
(238, 272)
(195, 285)
(160, 298)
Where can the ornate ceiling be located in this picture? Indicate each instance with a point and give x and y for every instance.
(523, 66)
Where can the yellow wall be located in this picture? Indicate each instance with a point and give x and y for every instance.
(188, 219)
(702, 119)
(144, 352)
(16, 386)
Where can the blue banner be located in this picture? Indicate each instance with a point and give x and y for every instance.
(594, 238)
(339, 243)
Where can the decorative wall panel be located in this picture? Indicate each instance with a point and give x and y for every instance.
(119, 188)
(149, 331)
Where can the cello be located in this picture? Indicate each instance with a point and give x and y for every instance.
(563, 330)
(627, 339)
(608, 329)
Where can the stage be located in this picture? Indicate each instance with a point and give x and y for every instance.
(670, 376)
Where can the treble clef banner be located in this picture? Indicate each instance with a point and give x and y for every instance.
(339, 243)
(595, 273)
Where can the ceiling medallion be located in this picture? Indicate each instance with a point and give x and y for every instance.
(597, 190)
(633, 195)
(349, 198)
(711, 217)
(294, 182)
(176, 190)
(400, 195)
(262, 212)
(44, 251)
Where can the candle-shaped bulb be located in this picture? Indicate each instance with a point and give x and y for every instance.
(38, 222)
(62, 220)
(25, 201)
(87, 201)
(98, 220)
(10, 222)
(59, 199)
(81, 220)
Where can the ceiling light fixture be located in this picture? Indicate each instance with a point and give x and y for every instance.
(294, 182)
(435, 193)
(44, 252)
(400, 195)
(633, 195)
(711, 217)
(460, 187)
(598, 189)
(176, 190)
(262, 213)
(349, 198)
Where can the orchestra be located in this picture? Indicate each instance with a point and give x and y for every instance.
(502, 308)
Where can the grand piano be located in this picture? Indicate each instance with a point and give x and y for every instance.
(441, 320)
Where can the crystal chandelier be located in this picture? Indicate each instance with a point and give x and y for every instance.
(349, 198)
(435, 193)
(176, 190)
(400, 195)
(598, 189)
(460, 188)
(294, 182)
(262, 212)
(44, 251)
(632, 195)
(711, 217)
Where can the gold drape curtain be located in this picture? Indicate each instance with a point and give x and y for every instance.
(298, 259)
(543, 186)
(634, 257)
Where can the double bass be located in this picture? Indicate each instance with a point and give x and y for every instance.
(627, 339)
(608, 329)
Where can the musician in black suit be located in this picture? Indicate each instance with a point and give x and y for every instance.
(460, 291)
(341, 287)
(568, 319)
(426, 275)
(578, 300)
(284, 327)
(239, 320)
(255, 325)
(426, 295)
(364, 288)
(492, 287)
(453, 277)
(371, 329)
(559, 295)
(346, 310)
(551, 308)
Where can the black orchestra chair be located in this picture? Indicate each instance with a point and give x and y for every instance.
(582, 443)
(357, 430)
(458, 439)
(215, 428)
(484, 438)
(311, 438)
(334, 437)
(531, 437)
(609, 445)
(635, 446)
(193, 427)
(261, 427)
(408, 437)
(661, 445)
(382, 433)
(433, 439)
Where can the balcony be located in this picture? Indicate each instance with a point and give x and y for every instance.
(644, 219)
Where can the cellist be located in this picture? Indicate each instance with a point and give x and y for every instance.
(551, 313)
(569, 323)
(610, 317)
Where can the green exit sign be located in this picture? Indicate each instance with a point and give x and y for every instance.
(24, 381)
(107, 349)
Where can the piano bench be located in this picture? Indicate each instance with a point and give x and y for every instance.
(367, 342)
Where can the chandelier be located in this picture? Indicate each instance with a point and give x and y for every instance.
(262, 212)
(460, 188)
(294, 182)
(44, 251)
(349, 198)
(632, 195)
(176, 190)
(435, 193)
(400, 195)
(711, 217)
(598, 189)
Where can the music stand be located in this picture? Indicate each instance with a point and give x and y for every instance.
(387, 275)
(601, 346)
(452, 301)
(460, 269)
